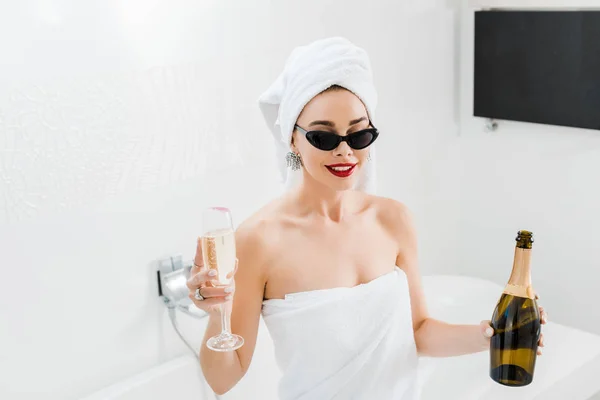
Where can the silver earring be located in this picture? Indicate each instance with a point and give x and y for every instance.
(293, 160)
(369, 157)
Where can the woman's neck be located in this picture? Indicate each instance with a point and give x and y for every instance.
(319, 200)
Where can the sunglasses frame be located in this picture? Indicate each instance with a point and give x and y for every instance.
(341, 139)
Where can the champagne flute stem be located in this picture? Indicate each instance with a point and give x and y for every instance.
(225, 320)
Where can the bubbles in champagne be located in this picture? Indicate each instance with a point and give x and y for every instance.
(218, 250)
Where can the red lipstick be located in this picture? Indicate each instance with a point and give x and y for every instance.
(343, 170)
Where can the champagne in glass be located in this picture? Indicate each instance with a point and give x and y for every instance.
(218, 251)
(516, 323)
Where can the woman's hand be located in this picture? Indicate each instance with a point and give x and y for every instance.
(487, 331)
(201, 282)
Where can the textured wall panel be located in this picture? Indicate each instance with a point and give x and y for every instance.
(69, 143)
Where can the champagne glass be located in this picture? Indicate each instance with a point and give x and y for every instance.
(218, 252)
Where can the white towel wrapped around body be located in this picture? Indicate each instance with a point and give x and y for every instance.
(346, 343)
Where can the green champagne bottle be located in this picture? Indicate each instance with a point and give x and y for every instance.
(516, 322)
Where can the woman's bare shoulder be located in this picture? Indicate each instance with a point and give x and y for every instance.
(386, 206)
(264, 218)
(393, 214)
(256, 233)
(397, 219)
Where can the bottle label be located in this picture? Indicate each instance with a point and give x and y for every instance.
(520, 291)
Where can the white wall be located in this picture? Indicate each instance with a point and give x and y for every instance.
(537, 177)
(120, 121)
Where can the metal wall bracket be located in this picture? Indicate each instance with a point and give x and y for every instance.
(491, 125)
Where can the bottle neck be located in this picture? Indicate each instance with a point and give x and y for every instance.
(519, 283)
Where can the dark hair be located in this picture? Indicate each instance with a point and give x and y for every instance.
(334, 88)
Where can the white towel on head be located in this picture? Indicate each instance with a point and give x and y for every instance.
(308, 71)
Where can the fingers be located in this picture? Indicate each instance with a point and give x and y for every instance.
(213, 296)
(200, 278)
(210, 292)
(543, 320)
(198, 260)
(486, 328)
(543, 315)
(209, 302)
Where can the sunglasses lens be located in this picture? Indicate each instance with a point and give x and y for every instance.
(323, 140)
(362, 139)
(329, 141)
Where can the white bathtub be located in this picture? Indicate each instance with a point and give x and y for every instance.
(177, 379)
(567, 370)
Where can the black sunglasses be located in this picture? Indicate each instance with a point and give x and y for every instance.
(324, 140)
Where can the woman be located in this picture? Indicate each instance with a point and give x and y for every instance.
(332, 268)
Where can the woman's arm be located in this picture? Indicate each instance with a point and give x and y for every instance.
(224, 370)
(436, 338)
(433, 338)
